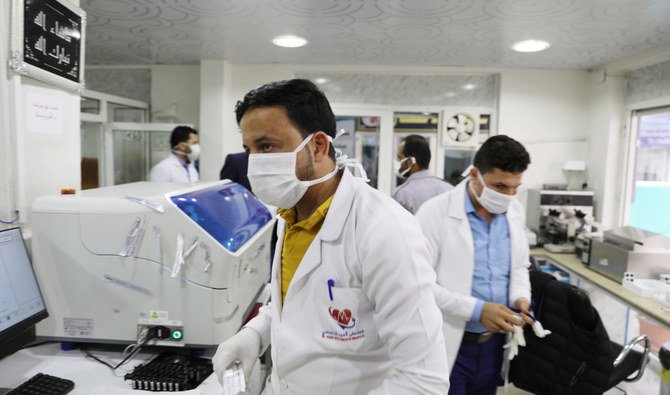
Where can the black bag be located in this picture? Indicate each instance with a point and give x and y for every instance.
(576, 358)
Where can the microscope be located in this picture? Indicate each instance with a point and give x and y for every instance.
(558, 216)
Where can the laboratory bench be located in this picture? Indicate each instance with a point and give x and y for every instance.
(570, 263)
(91, 377)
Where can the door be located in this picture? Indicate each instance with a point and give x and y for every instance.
(367, 138)
(92, 172)
(360, 141)
(101, 149)
(132, 149)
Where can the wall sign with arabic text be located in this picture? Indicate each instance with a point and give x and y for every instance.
(48, 41)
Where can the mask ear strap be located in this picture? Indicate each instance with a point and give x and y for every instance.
(466, 172)
(337, 135)
(342, 160)
(304, 143)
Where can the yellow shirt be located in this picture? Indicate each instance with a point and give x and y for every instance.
(297, 238)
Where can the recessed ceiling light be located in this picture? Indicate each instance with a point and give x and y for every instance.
(289, 41)
(321, 80)
(469, 87)
(530, 46)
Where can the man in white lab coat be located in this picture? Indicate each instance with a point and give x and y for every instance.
(352, 308)
(480, 255)
(179, 166)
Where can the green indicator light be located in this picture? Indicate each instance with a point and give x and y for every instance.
(177, 335)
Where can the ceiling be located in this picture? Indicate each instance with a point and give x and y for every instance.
(584, 34)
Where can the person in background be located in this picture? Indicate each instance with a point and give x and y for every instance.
(179, 165)
(480, 255)
(412, 161)
(352, 308)
(456, 177)
(235, 169)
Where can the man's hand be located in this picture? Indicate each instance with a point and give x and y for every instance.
(244, 347)
(524, 305)
(498, 318)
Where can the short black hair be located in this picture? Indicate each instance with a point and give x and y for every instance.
(306, 105)
(181, 133)
(417, 146)
(502, 152)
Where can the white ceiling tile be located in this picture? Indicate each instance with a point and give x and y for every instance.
(479, 33)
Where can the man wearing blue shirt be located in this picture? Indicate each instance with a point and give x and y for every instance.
(412, 161)
(480, 255)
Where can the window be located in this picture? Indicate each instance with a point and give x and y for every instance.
(649, 189)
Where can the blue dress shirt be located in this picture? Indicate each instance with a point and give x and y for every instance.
(490, 279)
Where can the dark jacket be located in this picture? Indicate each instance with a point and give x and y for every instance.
(577, 357)
(235, 169)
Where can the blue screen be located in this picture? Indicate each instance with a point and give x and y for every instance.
(229, 213)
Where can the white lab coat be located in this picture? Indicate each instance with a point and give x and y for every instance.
(379, 261)
(170, 169)
(445, 224)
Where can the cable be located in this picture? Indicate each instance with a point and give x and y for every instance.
(16, 218)
(146, 336)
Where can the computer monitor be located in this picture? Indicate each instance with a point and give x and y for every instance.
(21, 302)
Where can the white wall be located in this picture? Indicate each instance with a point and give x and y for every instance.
(54, 161)
(548, 112)
(212, 73)
(175, 91)
(606, 159)
(35, 164)
(243, 78)
(7, 167)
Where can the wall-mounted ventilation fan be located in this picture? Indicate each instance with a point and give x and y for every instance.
(460, 128)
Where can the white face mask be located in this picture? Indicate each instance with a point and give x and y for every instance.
(397, 164)
(273, 179)
(195, 153)
(494, 202)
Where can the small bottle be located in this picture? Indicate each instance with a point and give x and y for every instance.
(664, 356)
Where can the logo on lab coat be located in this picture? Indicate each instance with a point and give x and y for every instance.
(343, 318)
(347, 322)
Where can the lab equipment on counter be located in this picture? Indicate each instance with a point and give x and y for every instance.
(630, 249)
(187, 261)
(558, 217)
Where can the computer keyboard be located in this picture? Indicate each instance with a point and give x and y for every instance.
(43, 384)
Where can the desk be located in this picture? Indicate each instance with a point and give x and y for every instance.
(647, 306)
(90, 377)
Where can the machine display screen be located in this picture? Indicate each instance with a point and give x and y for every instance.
(229, 213)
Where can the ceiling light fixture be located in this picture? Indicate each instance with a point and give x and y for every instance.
(469, 87)
(289, 41)
(530, 46)
(321, 80)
